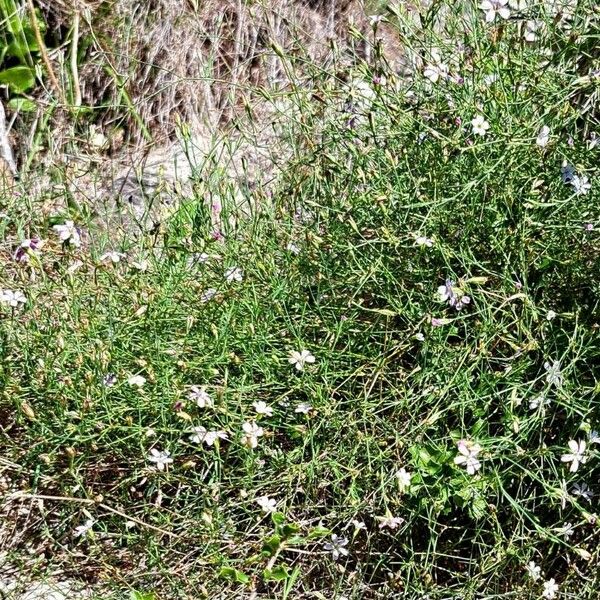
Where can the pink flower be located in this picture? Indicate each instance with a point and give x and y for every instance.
(26, 248)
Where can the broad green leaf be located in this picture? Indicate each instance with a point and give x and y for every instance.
(289, 529)
(318, 532)
(142, 596)
(278, 518)
(278, 573)
(231, 574)
(18, 79)
(20, 48)
(272, 544)
(22, 105)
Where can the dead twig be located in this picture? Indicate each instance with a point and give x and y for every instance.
(44, 53)
(74, 66)
(87, 501)
(5, 149)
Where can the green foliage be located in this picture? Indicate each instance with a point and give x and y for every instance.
(19, 79)
(19, 49)
(390, 194)
(233, 575)
(142, 596)
(278, 573)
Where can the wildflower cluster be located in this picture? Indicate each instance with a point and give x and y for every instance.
(270, 388)
(453, 295)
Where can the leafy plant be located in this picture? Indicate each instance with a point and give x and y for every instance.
(20, 52)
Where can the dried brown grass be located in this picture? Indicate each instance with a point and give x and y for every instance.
(143, 70)
(196, 63)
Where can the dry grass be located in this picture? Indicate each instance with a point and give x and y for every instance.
(222, 71)
(199, 65)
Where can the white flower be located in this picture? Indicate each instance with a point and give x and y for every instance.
(27, 248)
(582, 490)
(576, 456)
(421, 240)
(435, 72)
(141, 265)
(160, 458)
(68, 232)
(404, 478)
(208, 295)
(567, 172)
(109, 379)
(567, 530)
(446, 291)
(594, 437)
(208, 437)
(234, 274)
(480, 125)
(291, 247)
(389, 522)
(467, 456)
(581, 185)
(533, 571)
(200, 396)
(550, 589)
(12, 298)
(336, 546)
(299, 359)
(420, 337)
(251, 434)
(490, 78)
(97, 138)
(436, 69)
(268, 505)
(82, 530)
(550, 315)
(74, 267)
(375, 20)
(554, 375)
(138, 380)
(262, 408)
(303, 408)
(358, 525)
(113, 257)
(493, 8)
(518, 4)
(197, 259)
(532, 30)
(538, 401)
(31, 243)
(543, 137)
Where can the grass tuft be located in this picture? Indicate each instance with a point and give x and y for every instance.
(380, 381)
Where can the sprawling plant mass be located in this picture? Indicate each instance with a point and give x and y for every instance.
(379, 381)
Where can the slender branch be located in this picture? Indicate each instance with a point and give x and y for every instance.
(88, 501)
(5, 149)
(44, 53)
(74, 66)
